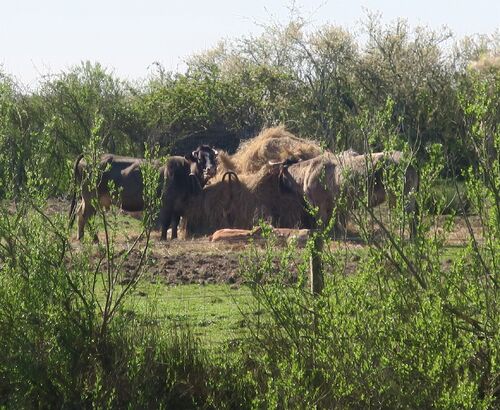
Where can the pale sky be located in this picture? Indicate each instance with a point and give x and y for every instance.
(40, 37)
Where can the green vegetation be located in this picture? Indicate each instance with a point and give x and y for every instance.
(326, 84)
(84, 327)
(448, 197)
(214, 313)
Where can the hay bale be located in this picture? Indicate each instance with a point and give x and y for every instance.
(225, 163)
(229, 203)
(272, 144)
(255, 195)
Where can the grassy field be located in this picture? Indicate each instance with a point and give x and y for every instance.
(198, 284)
(214, 313)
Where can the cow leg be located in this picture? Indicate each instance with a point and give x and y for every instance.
(85, 212)
(324, 214)
(341, 225)
(175, 223)
(183, 227)
(165, 219)
(80, 221)
(414, 218)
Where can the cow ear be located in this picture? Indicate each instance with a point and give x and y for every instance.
(284, 183)
(192, 156)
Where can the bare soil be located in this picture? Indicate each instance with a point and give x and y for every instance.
(199, 261)
(186, 262)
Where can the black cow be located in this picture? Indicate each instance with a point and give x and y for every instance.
(178, 179)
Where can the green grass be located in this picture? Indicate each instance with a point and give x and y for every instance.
(214, 313)
(445, 200)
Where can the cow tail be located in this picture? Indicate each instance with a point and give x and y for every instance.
(73, 199)
(230, 174)
(227, 207)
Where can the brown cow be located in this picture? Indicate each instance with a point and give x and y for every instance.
(365, 173)
(314, 181)
(178, 179)
(321, 181)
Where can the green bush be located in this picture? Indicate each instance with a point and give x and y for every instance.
(448, 198)
(54, 354)
(403, 329)
(64, 339)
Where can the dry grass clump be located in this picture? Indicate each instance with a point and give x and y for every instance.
(242, 202)
(254, 195)
(272, 144)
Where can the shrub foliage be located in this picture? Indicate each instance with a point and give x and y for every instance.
(415, 325)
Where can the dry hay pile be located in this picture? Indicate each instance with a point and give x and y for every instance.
(272, 144)
(242, 202)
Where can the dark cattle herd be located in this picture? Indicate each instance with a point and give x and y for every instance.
(119, 181)
(276, 177)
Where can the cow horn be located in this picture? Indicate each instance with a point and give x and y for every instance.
(276, 163)
(230, 173)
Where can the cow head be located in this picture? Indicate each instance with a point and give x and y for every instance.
(286, 163)
(203, 162)
(286, 182)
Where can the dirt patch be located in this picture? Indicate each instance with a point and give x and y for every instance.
(199, 261)
(214, 269)
(188, 262)
(178, 262)
(196, 267)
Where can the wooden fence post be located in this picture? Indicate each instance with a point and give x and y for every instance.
(315, 268)
(316, 281)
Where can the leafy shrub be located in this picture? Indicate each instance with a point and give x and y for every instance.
(64, 338)
(404, 329)
(444, 199)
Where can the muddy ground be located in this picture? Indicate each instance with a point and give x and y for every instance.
(185, 262)
(199, 261)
